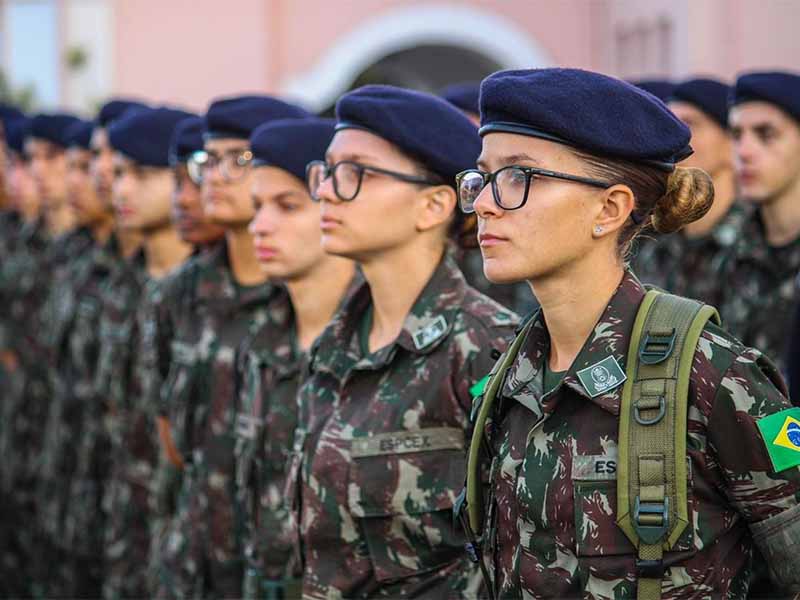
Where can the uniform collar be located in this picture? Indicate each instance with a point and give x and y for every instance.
(610, 338)
(427, 325)
(215, 281)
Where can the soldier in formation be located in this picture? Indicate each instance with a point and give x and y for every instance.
(239, 358)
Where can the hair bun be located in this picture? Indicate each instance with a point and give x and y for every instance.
(689, 196)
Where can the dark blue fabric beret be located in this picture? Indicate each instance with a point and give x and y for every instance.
(776, 87)
(16, 133)
(709, 95)
(589, 111)
(238, 116)
(114, 109)
(660, 88)
(427, 128)
(53, 127)
(290, 144)
(186, 139)
(80, 134)
(8, 114)
(144, 135)
(463, 95)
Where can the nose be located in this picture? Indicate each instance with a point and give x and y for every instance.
(485, 206)
(745, 148)
(325, 190)
(262, 223)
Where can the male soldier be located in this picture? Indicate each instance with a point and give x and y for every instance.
(689, 262)
(758, 301)
(213, 303)
(141, 193)
(75, 303)
(195, 229)
(518, 297)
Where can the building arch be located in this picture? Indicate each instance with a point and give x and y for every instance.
(479, 31)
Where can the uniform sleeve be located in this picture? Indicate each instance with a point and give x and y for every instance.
(751, 389)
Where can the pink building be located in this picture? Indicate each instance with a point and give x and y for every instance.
(77, 52)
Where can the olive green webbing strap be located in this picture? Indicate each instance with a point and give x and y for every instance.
(474, 497)
(652, 501)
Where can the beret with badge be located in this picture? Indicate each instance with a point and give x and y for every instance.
(776, 87)
(144, 135)
(290, 144)
(589, 111)
(709, 95)
(236, 117)
(52, 127)
(425, 127)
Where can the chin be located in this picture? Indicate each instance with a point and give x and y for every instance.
(336, 246)
(498, 272)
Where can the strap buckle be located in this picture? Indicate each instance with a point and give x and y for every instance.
(656, 347)
(651, 520)
(637, 412)
(650, 569)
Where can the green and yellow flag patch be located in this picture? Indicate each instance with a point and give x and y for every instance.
(781, 433)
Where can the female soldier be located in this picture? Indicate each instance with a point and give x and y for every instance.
(385, 409)
(564, 184)
(287, 241)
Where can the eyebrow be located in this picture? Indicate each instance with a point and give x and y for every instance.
(510, 159)
(351, 157)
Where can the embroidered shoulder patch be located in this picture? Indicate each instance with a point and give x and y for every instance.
(601, 377)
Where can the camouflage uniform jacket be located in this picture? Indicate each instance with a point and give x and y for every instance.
(759, 296)
(270, 372)
(209, 316)
(550, 525)
(74, 410)
(692, 267)
(379, 453)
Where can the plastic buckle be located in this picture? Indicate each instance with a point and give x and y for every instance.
(656, 348)
(650, 569)
(662, 410)
(645, 520)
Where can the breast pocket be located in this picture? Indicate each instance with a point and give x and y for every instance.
(596, 531)
(401, 490)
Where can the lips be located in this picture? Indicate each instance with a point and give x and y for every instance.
(488, 240)
(327, 223)
(265, 253)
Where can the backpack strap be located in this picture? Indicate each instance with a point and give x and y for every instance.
(652, 501)
(474, 496)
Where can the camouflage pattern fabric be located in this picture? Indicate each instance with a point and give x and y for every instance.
(759, 296)
(210, 317)
(550, 519)
(691, 267)
(64, 499)
(128, 433)
(379, 453)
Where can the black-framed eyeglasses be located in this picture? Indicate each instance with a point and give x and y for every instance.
(347, 176)
(510, 185)
(233, 164)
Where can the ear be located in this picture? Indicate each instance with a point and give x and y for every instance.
(435, 206)
(615, 206)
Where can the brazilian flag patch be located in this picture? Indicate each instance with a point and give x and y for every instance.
(478, 387)
(781, 433)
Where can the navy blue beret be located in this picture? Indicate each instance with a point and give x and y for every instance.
(463, 95)
(80, 134)
(53, 127)
(777, 87)
(589, 111)
(660, 88)
(16, 133)
(144, 135)
(709, 95)
(186, 139)
(238, 116)
(8, 114)
(114, 109)
(427, 128)
(290, 144)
